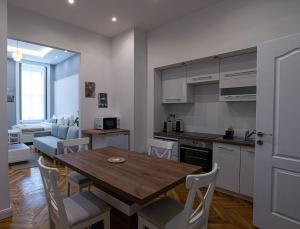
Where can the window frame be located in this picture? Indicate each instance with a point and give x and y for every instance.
(20, 91)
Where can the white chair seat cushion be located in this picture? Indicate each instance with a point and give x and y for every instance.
(84, 206)
(78, 178)
(164, 213)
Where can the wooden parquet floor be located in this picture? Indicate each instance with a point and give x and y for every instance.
(30, 210)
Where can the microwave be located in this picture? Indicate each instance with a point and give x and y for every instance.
(107, 123)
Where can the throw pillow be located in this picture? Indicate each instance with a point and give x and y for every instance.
(54, 130)
(73, 132)
(62, 131)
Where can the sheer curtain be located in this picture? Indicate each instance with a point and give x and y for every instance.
(33, 92)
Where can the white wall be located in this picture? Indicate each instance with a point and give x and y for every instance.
(11, 83)
(223, 27)
(94, 49)
(66, 87)
(66, 96)
(123, 76)
(5, 209)
(208, 115)
(140, 90)
(129, 61)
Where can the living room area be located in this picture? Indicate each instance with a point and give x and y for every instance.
(42, 92)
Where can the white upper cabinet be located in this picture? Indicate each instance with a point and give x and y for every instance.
(238, 78)
(174, 86)
(203, 72)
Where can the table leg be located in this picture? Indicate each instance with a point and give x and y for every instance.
(118, 220)
(129, 141)
(91, 142)
(67, 181)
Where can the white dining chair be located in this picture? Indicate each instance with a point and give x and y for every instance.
(167, 213)
(160, 148)
(72, 177)
(76, 212)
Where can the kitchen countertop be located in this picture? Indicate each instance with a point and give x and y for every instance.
(199, 136)
(93, 132)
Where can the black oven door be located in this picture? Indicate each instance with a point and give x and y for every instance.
(109, 123)
(196, 156)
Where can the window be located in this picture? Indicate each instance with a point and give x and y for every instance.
(32, 92)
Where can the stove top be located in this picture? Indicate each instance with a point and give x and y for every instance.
(202, 135)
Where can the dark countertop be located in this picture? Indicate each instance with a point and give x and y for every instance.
(198, 136)
(93, 132)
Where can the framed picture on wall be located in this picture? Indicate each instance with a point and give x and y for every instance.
(90, 88)
(102, 100)
(10, 95)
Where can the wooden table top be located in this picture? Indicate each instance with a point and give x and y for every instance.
(139, 179)
(104, 132)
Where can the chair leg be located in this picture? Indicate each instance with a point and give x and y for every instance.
(51, 223)
(107, 220)
(141, 223)
(89, 188)
(68, 189)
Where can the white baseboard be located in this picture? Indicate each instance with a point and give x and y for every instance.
(5, 213)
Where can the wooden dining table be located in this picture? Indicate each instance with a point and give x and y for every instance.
(130, 185)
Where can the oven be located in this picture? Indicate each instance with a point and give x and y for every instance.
(196, 152)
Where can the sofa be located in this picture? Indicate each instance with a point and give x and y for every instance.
(49, 142)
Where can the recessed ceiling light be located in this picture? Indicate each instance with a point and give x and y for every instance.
(56, 57)
(114, 19)
(71, 1)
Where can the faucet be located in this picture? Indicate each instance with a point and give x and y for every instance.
(248, 134)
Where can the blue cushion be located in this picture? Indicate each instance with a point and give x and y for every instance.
(62, 131)
(54, 130)
(73, 132)
(46, 144)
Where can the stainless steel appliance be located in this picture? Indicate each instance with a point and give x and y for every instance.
(106, 123)
(179, 125)
(198, 152)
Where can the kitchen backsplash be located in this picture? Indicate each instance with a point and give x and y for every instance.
(207, 114)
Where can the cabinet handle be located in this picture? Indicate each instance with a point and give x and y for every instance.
(201, 78)
(169, 100)
(249, 151)
(220, 147)
(239, 96)
(240, 73)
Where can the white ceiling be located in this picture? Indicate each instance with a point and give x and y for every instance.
(95, 15)
(55, 56)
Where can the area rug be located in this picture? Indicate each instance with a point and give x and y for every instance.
(31, 163)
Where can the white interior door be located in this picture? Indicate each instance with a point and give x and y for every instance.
(277, 161)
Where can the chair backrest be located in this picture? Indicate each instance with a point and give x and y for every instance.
(195, 218)
(73, 145)
(50, 177)
(160, 148)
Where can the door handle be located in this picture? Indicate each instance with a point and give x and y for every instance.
(261, 134)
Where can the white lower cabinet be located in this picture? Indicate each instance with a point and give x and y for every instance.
(236, 168)
(117, 140)
(228, 158)
(247, 171)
